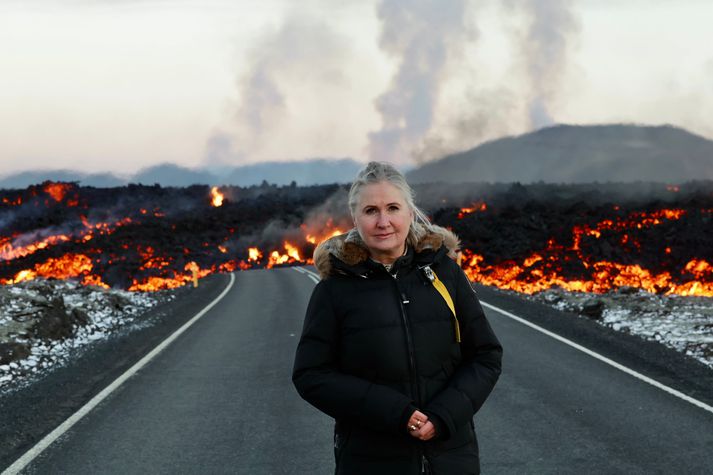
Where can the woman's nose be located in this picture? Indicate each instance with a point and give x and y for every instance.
(383, 220)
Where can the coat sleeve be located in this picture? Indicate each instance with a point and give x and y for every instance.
(475, 377)
(318, 380)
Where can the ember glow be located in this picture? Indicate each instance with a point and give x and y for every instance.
(216, 197)
(65, 267)
(57, 190)
(480, 206)
(254, 254)
(315, 234)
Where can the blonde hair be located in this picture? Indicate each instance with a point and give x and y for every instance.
(378, 172)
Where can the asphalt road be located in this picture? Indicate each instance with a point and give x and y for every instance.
(219, 400)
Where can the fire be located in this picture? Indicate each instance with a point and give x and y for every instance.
(292, 251)
(8, 251)
(317, 234)
(634, 220)
(604, 277)
(254, 254)
(291, 256)
(479, 206)
(154, 283)
(13, 250)
(65, 267)
(216, 197)
(317, 240)
(148, 257)
(543, 270)
(94, 280)
(16, 202)
(57, 190)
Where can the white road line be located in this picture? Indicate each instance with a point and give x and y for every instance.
(310, 274)
(604, 359)
(587, 351)
(31, 454)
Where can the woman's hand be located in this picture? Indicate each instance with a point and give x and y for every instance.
(419, 426)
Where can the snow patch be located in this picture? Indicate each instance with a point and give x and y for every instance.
(94, 314)
(682, 323)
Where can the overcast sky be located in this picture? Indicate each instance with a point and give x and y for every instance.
(117, 85)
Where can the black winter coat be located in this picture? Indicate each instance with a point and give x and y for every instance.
(377, 345)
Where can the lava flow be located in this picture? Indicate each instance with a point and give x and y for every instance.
(145, 238)
(579, 266)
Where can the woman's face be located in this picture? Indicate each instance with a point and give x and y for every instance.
(382, 218)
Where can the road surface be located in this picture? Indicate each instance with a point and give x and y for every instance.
(219, 399)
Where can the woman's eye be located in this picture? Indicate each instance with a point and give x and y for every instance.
(370, 211)
(393, 208)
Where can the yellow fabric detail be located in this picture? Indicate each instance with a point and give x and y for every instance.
(441, 288)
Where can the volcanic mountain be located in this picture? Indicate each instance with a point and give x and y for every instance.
(580, 154)
(304, 172)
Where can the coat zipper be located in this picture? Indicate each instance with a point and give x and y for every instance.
(409, 342)
(425, 466)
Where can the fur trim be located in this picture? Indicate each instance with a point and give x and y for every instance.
(350, 248)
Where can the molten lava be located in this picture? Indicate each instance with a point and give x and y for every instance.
(545, 269)
(57, 190)
(479, 206)
(216, 197)
(161, 240)
(65, 267)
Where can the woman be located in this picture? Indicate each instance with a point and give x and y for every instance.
(381, 350)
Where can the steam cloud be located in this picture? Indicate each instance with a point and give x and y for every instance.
(418, 35)
(551, 26)
(424, 37)
(302, 52)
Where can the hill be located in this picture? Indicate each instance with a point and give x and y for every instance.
(303, 173)
(580, 154)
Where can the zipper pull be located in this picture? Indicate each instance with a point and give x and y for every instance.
(425, 465)
(404, 299)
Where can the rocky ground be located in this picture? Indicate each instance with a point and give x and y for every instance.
(682, 323)
(43, 323)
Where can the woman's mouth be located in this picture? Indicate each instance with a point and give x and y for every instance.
(383, 236)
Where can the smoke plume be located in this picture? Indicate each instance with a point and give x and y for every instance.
(419, 35)
(287, 67)
(551, 26)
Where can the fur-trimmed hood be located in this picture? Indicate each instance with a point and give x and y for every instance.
(350, 248)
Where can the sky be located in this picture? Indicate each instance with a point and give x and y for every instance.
(120, 85)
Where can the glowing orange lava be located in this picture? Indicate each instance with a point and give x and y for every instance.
(57, 190)
(543, 270)
(216, 197)
(254, 254)
(65, 267)
(291, 256)
(479, 206)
